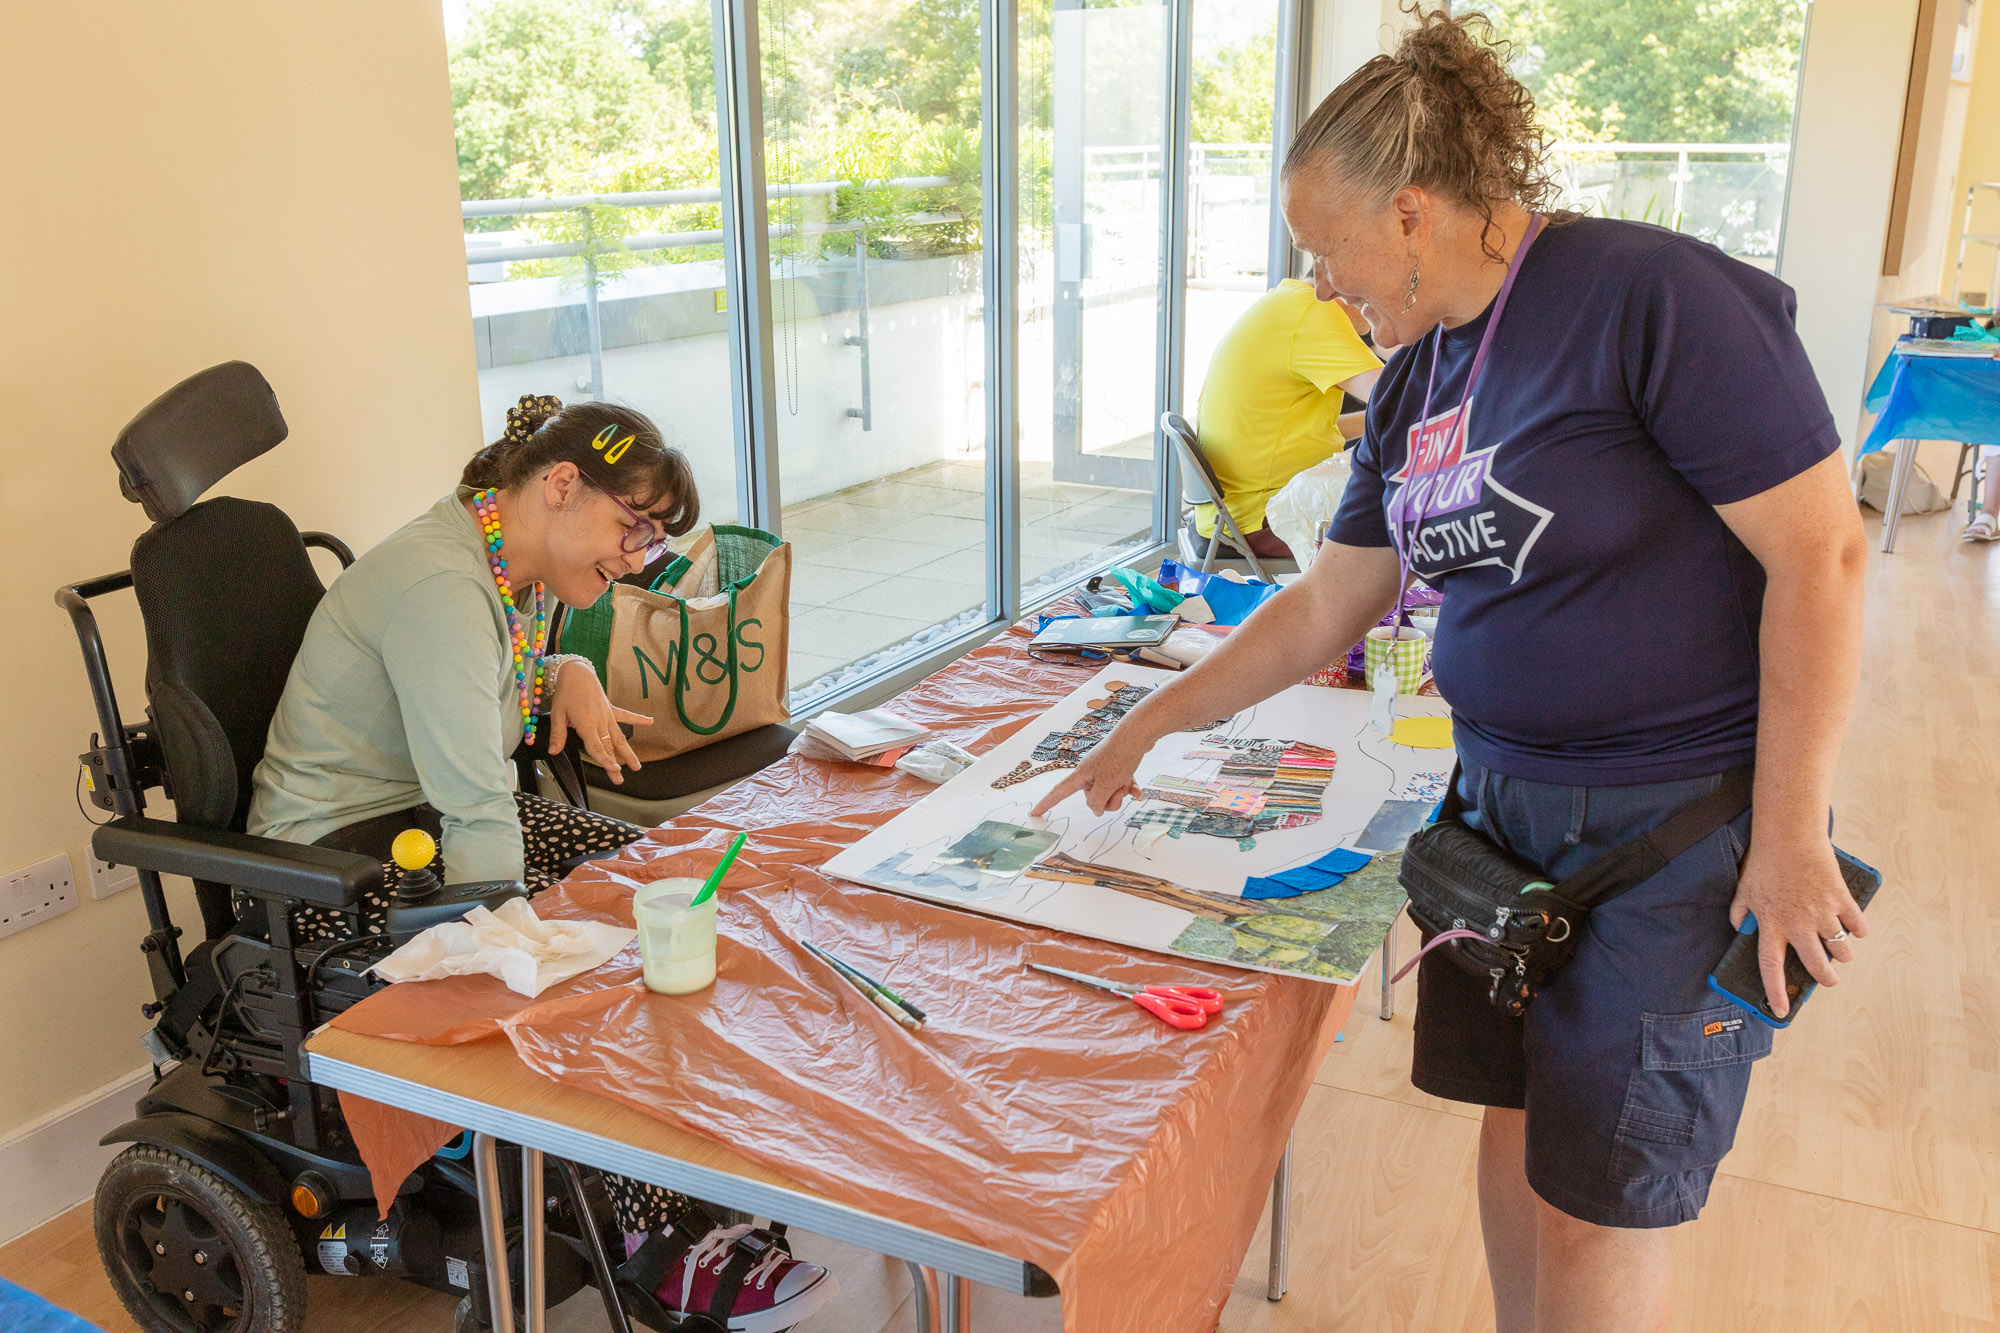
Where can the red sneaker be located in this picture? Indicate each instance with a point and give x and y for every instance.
(775, 1291)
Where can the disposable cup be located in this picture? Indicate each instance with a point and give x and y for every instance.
(676, 940)
(1403, 648)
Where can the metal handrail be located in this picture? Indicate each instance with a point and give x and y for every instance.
(504, 208)
(1683, 172)
(671, 240)
(674, 240)
(1613, 147)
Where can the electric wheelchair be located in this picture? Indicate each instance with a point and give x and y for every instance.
(241, 1175)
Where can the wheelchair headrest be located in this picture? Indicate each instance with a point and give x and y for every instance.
(194, 435)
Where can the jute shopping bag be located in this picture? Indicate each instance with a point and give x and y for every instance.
(703, 652)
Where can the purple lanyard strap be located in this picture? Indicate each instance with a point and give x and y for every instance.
(1458, 425)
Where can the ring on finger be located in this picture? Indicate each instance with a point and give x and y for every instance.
(1837, 936)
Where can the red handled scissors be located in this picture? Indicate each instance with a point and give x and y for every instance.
(1185, 1007)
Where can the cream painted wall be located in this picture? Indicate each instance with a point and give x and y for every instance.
(1843, 168)
(189, 183)
(1979, 158)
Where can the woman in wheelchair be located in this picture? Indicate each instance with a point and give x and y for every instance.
(421, 673)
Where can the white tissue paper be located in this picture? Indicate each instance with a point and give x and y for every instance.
(509, 942)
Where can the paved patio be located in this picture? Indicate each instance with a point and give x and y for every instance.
(878, 563)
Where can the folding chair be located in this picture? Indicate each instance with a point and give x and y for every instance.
(1199, 486)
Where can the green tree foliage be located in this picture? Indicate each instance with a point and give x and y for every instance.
(618, 96)
(1231, 98)
(1657, 71)
(545, 90)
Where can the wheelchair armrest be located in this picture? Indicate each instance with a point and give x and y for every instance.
(262, 867)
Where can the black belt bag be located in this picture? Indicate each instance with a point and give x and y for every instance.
(1498, 917)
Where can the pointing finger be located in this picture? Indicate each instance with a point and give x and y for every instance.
(1067, 787)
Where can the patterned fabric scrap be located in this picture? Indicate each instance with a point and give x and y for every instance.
(1227, 802)
(1291, 775)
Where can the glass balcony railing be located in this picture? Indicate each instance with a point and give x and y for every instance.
(1730, 194)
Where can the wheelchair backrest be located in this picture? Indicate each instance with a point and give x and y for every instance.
(225, 585)
(226, 591)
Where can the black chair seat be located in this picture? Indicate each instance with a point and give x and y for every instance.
(711, 766)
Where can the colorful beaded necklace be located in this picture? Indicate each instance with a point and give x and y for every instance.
(527, 657)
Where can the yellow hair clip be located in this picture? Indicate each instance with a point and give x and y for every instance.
(603, 444)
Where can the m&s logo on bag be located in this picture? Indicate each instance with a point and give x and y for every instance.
(707, 665)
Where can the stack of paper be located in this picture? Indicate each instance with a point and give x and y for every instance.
(858, 736)
(1966, 348)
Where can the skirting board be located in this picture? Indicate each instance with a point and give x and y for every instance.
(52, 1165)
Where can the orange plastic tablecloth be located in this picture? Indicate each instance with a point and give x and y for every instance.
(1049, 1122)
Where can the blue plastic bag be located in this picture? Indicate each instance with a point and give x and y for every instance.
(1232, 602)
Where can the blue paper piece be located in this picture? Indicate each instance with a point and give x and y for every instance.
(1276, 887)
(1307, 878)
(1312, 877)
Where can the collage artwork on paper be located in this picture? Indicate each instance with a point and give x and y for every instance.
(1270, 840)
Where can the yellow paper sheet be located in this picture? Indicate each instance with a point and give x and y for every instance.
(1422, 733)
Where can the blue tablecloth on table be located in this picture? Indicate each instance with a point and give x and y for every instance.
(1934, 398)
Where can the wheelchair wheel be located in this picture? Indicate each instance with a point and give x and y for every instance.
(189, 1253)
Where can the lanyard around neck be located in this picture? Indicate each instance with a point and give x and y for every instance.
(1456, 433)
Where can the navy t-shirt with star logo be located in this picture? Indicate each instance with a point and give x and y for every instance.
(1600, 620)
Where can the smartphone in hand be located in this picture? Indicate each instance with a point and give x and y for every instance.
(1737, 977)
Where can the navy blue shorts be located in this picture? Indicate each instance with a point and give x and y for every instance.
(1631, 1070)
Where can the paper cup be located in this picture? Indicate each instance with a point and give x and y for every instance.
(676, 941)
(1426, 620)
(1403, 649)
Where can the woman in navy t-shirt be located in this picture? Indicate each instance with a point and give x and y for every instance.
(1651, 566)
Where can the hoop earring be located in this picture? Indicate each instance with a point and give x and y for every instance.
(1410, 297)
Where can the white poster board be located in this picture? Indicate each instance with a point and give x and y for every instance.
(1326, 934)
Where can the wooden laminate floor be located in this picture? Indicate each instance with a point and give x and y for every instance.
(1864, 1193)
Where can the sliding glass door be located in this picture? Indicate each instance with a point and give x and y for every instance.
(1096, 108)
(871, 135)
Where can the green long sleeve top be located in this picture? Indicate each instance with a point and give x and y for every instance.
(403, 692)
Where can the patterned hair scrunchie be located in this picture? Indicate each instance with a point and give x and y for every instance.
(525, 417)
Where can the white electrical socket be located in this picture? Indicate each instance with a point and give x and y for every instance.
(31, 896)
(107, 879)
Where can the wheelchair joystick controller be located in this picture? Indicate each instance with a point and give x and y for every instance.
(414, 851)
(421, 901)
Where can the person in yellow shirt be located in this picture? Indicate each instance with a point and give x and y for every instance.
(1271, 405)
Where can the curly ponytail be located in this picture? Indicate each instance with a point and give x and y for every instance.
(1441, 113)
(618, 449)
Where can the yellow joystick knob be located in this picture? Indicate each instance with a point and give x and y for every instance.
(413, 849)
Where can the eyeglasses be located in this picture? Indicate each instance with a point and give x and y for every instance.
(642, 533)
